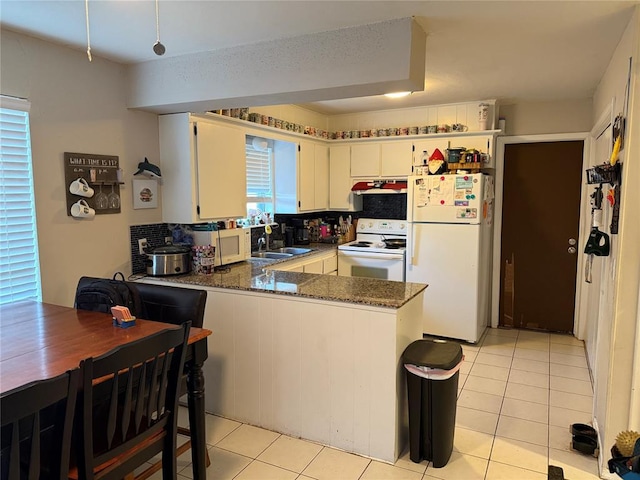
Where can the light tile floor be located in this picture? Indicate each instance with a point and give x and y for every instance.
(519, 392)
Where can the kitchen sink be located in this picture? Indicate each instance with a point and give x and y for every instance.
(292, 250)
(272, 255)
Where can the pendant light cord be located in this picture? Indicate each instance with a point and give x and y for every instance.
(157, 23)
(86, 11)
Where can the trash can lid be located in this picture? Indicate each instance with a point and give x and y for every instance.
(433, 354)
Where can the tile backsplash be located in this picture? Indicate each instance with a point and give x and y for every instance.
(154, 233)
(392, 206)
(389, 206)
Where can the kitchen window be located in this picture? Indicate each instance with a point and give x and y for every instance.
(19, 263)
(259, 155)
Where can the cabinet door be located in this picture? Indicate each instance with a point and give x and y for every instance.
(340, 195)
(429, 146)
(330, 265)
(222, 189)
(365, 160)
(396, 159)
(313, 267)
(306, 177)
(483, 143)
(177, 158)
(321, 177)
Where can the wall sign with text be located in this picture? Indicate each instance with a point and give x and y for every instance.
(92, 184)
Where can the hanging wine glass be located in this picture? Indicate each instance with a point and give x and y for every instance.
(114, 199)
(102, 201)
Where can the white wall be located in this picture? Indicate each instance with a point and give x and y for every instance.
(77, 106)
(615, 401)
(295, 114)
(533, 118)
(524, 118)
(465, 113)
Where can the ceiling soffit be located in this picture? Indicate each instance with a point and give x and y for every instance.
(336, 64)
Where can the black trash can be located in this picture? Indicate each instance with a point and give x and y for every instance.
(432, 389)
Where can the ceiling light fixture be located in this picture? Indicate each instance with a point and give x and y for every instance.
(158, 48)
(86, 14)
(397, 94)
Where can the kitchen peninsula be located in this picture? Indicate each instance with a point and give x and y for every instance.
(311, 356)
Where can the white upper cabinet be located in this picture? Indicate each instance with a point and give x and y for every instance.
(313, 177)
(365, 160)
(203, 169)
(340, 195)
(480, 141)
(306, 177)
(395, 159)
(381, 159)
(321, 177)
(302, 182)
(428, 146)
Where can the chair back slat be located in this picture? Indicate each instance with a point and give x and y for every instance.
(14, 456)
(34, 460)
(37, 421)
(163, 387)
(113, 411)
(126, 407)
(140, 398)
(153, 396)
(143, 374)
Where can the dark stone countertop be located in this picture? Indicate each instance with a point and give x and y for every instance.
(254, 275)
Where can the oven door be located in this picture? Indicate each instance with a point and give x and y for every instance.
(384, 266)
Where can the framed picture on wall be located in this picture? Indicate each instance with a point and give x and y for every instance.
(145, 194)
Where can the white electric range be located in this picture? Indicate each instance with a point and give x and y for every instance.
(377, 252)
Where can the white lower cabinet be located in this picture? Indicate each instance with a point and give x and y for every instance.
(330, 265)
(313, 267)
(321, 263)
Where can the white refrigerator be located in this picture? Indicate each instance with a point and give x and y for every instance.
(450, 220)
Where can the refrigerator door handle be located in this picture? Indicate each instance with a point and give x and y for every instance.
(413, 242)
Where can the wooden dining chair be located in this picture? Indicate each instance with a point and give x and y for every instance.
(37, 422)
(168, 304)
(128, 407)
(165, 303)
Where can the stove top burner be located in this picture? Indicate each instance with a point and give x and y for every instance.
(361, 244)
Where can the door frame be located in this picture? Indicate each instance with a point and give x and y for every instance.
(501, 142)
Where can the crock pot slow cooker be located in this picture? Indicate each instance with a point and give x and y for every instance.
(169, 260)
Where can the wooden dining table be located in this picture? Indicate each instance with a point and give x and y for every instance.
(39, 341)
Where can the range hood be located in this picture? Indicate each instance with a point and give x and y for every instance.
(380, 186)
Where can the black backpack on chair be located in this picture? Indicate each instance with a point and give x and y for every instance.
(100, 294)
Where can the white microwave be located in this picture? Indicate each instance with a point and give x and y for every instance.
(232, 245)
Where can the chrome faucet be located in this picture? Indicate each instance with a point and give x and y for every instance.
(261, 241)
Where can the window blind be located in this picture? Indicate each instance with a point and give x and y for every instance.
(19, 264)
(259, 178)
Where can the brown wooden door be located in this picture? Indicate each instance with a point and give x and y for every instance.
(540, 214)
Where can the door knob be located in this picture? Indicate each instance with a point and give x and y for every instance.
(572, 241)
(571, 249)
